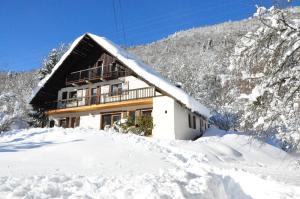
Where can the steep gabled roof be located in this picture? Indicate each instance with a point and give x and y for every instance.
(137, 66)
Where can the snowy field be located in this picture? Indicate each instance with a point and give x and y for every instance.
(84, 163)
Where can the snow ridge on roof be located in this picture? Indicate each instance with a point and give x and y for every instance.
(140, 68)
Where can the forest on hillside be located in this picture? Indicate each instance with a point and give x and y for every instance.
(246, 72)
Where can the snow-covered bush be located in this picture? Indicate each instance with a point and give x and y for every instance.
(11, 113)
(14, 93)
(142, 126)
(265, 81)
(225, 120)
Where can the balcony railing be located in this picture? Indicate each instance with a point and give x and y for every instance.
(92, 75)
(140, 93)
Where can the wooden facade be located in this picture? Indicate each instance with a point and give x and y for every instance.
(87, 56)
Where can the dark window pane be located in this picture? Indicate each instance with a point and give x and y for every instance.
(147, 112)
(116, 89)
(106, 120)
(64, 95)
(116, 118)
(194, 122)
(73, 94)
(94, 96)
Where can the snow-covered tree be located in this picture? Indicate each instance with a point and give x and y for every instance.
(266, 76)
(53, 57)
(15, 92)
(15, 89)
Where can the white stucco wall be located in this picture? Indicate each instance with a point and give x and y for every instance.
(171, 120)
(135, 83)
(182, 129)
(90, 121)
(163, 117)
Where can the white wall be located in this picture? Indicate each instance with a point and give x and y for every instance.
(135, 83)
(182, 129)
(163, 117)
(171, 120)
(90, 121)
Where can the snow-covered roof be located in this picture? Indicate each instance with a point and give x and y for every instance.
(140, 68)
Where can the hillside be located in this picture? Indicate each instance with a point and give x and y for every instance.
(85, 163)
(196, 57)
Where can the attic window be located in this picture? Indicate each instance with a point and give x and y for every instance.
(114, 66)
(99, 63)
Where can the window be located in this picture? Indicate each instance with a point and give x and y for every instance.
(194, 122)
(114, 67)
(64, 122)
(64, 99)
(99, 63)
(64, 95)
(52, 123)
(146, 112)
(110, 119)
(190, 122)
(201, 125)
(132, 115)
(116, 89)
(93, 95)
(73, 94)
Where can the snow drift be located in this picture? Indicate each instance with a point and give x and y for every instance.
(85, 163)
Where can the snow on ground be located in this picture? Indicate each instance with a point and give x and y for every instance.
(85, 163)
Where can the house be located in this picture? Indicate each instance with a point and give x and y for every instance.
(96, 83)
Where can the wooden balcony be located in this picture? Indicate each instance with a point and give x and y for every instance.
(108, 98)
(92, 75)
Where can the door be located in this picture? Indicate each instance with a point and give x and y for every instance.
(73, 121)
(106, 121)
(94, 96)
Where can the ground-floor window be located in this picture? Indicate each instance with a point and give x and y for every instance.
(194, 122)
(201, 125)
(147, 112)
(64, 122)
(69, 122)
(51, 123)
(109, 119)
(190, 121)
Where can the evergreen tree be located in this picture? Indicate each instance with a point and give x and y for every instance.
(51, 60)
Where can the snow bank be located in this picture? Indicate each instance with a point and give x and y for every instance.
(85, 163)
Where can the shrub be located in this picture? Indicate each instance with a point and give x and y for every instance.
(143, 125)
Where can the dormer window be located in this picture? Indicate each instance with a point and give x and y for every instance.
(114, 67)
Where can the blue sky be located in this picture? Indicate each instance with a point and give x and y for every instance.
(29, 29)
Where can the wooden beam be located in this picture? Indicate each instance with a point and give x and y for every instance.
(138, 102)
